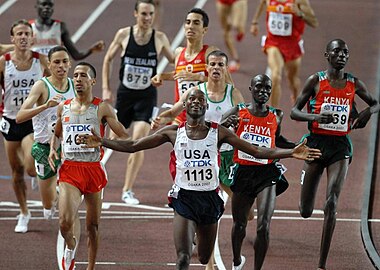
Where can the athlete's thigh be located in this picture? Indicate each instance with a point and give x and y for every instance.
(224, 12)
(239, 14)
(93, 207)
(69, 201)
(336, 175)
(240, 206)
(310, 178)
(275, 59)
(293, 67)
(206, 235)
(266, 201)
(12, 149)
(183, 232)
(140, 129)
(26, 145)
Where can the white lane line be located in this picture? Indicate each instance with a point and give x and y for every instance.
(90, 20)
(6, 5)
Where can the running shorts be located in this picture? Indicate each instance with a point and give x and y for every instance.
(203, 207)
(40, 153)
(88, 177)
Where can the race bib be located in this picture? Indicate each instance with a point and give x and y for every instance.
(70, 135)
(199, 177)
(280, 24)
(4, 125)
(341, 115)
(136, 77)
(257, 140)
(18, 98)
(185, 85)
(40, 168)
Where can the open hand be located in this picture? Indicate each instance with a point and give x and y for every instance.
(89, 140)
(303, 152)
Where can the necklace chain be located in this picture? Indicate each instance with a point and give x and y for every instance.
(190, 126)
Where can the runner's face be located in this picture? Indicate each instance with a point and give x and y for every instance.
(83, 81)
(59, 64)
(261, 90)
(338, 55)
(194, 26)
(216, 67)
(196, 104)
(144, 15)
(45, 9)
(22, 37)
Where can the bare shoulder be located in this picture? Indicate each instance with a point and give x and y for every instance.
(160, 35)
(105, 108)
(178, 50)
(122, 33)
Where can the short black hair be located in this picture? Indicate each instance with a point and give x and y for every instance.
(92, 68)
(138, 2)
(217, 53)
(57, 49)
(22, 22)
(263, 76)
(328, 46)
(201, 12)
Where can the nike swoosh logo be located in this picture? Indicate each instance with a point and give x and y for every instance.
(273, 182)
(269, 123)
(346, 156)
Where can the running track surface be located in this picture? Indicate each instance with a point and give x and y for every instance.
(141, 237)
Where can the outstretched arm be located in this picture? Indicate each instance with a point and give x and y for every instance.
(301, 151)
(166, 134)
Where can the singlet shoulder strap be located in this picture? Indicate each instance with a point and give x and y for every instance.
(214, 125)
(35, 55)
(68, 101)
(241, 106)
(322, 75)
(7, 57)
(350, 78)
(96, 101)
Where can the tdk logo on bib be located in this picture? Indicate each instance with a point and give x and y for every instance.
(78, 128)
(336, 108)
(197, 158)
(255, 138)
